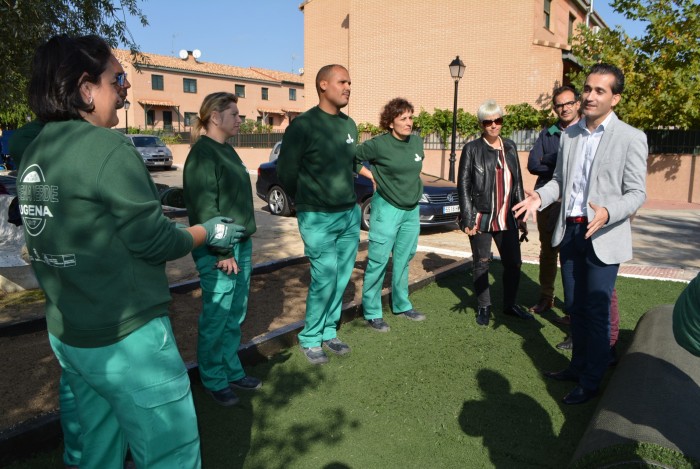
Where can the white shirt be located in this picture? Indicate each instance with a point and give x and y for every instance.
(588, 145)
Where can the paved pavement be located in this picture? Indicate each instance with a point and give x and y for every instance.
(664, 235)
(666, 244)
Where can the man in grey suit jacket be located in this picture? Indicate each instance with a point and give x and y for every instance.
(601, 179)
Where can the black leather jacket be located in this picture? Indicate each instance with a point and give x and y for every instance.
(475, 180)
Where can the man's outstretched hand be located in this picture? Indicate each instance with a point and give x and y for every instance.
(528, 207)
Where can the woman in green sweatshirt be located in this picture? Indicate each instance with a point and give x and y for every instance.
(98, 242)
(397, 160)
(217, 183)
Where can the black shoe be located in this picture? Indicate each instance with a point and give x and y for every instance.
(412, 314)
(563, 375)
(247, 383)
(225, 397)
(315, 355)
(579, 395)
(516, 311)
(337, 346)
(378, 325)
(483, 315)
(566, 345)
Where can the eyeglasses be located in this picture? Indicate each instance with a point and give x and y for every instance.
(563, 105)
(121, 79)
(489, 122)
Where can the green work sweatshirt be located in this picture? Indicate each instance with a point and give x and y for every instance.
(96, 233)
(217, 183)
(317, 161)
(396, 166)
(686, 318)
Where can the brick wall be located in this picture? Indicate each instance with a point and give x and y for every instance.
(404, 47)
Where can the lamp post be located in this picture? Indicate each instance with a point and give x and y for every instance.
(457, 71)
(126, 113)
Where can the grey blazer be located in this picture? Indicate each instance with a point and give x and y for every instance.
(617, 182)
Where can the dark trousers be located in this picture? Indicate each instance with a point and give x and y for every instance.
(546, 221)
(509, 249)
(588, 286)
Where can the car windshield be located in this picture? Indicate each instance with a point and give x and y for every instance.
(147, 142)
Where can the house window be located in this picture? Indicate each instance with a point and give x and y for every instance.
(150, 117)
(189, 85)
(157, 82)
(265, 94)
(190, 118)
(240, 91)
(292, 94)
(547, 12)
(572, 20)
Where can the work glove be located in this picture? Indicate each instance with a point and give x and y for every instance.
(222, 232)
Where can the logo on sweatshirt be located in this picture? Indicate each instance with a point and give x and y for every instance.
(418, 157)
(35, 198)
(349, 140)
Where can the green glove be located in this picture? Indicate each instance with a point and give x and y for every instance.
(222, 233)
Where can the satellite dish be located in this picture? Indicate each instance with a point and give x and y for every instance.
(183, 54)
(196, 53)
(301, 71)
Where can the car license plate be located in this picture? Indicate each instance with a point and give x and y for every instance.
(450, 209)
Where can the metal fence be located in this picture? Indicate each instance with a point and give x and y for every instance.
(659, 141)
(265, 140)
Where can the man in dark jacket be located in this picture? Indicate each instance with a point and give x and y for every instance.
(542, 160)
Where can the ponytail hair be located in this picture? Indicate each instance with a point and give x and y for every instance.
(218, 102)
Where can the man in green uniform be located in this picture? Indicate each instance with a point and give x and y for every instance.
(686, 318)
(316, 165)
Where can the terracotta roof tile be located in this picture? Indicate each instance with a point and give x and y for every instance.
(194, 66)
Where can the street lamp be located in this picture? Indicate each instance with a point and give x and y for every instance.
(126, 113)
(457, 71)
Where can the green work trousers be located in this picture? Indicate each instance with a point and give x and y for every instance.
(330, 243)
(72, 435)
(135, 392)
(225, 303)
(392, 231)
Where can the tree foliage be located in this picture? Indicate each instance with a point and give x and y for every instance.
(662, 68)
(249, 126)
(25, 24)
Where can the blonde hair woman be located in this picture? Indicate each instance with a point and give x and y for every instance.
(216, 182)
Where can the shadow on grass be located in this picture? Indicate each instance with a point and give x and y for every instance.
(528, 423)
(226, 436)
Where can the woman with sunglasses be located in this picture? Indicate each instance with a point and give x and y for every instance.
(489, 185)
(98, 242)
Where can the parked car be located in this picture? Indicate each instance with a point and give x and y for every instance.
(275, 152)
(439, 204)
(153, 151)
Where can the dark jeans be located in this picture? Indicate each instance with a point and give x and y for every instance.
(509, 249)
(588, 286)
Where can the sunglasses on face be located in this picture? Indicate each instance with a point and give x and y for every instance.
(489, 122)
(563, 105)
(121, 79)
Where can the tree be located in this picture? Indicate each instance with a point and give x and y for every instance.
(662, 68)
(25, 24)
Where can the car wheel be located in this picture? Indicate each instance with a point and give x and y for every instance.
(366, 208)
(278, 202)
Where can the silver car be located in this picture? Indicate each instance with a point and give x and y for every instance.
(153, 151)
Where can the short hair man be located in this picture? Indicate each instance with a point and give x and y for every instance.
(541, 162)
(315, 166)
(601, 178)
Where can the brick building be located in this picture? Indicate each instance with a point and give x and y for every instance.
(515, 51)
(166, 92)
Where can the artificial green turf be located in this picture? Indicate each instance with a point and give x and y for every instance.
(443, 393)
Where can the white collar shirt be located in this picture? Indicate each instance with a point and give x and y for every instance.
(587, 147)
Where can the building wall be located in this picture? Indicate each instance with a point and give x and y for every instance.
(404, 47)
